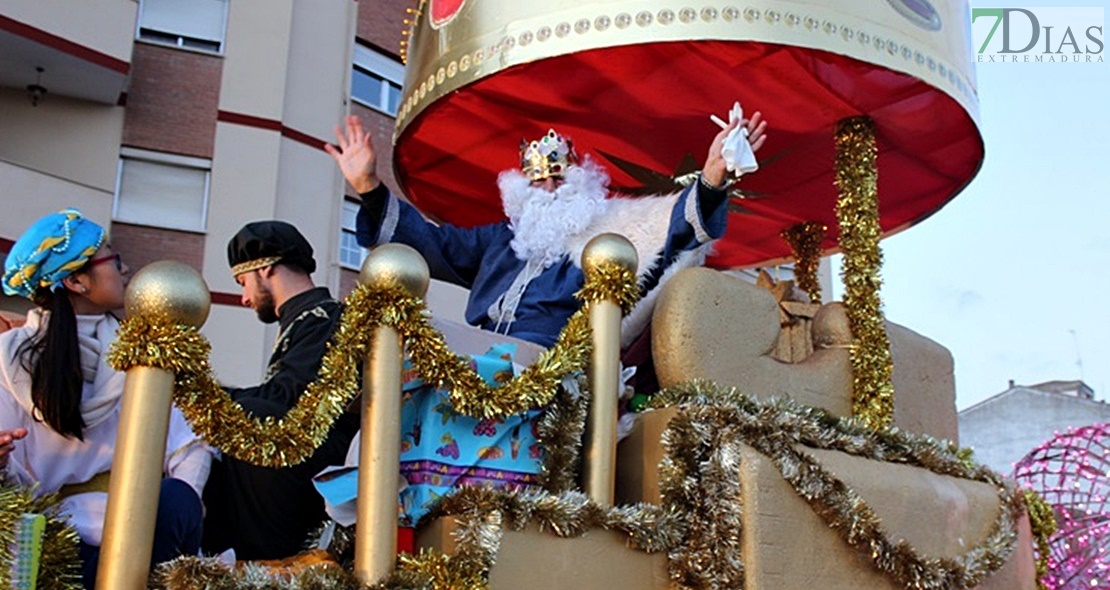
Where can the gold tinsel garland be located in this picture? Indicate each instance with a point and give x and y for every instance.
(559, 433)
(59, 562)
(440, 571)
(192, 573)
(805, 241)
(699, 522)
(699, 477)
(648, 527)
(482, 516)
(271, 442)
(536, 385)
(279, 442)
(857, 211)
(776, 427)
(1042, 523)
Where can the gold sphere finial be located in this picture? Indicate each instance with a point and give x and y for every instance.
(609, 248)
(396, 264)
(169, 288)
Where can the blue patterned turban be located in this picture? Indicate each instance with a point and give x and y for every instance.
(49, 251)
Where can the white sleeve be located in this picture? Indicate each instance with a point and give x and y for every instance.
(188, 458)
(191, 465)
(16, 469)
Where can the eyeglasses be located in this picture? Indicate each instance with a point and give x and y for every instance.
(111, 257)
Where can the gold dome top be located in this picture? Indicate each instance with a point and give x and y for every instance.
(169, 288)
(396, 264)
(609, 248)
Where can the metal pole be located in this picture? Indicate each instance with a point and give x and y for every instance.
(600, 447)
(380, 439)
(166, 289)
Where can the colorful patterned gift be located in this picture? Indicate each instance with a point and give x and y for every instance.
(442, 449)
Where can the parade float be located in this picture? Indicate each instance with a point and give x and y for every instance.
(792, 443)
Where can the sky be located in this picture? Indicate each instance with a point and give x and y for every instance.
(1013, 275)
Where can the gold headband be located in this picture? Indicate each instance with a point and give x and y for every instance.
(250, 265)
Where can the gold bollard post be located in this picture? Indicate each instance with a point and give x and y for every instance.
(600, 453)
(168, 289)
(380, 439)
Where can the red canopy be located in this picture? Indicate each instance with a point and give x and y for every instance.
(643, 112)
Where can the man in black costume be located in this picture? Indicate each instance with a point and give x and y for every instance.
(263, 512)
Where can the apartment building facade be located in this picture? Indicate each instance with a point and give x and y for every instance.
(174, 122)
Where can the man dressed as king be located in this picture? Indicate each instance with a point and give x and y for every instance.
(523, 272)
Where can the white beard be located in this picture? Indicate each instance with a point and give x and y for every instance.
(544, 223)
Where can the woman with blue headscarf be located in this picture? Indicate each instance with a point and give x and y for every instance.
(60, 401)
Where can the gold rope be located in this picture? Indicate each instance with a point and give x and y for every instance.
(805, 241)
(289, 440)
(857, 210)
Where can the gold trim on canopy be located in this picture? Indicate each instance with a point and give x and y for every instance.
(489, 36)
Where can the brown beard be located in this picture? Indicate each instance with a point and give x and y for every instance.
(264, 306)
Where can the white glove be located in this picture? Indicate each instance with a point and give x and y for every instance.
(736, 151)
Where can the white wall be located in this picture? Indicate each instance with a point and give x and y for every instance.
(1005, 428)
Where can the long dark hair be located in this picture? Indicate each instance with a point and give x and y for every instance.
(53, 359)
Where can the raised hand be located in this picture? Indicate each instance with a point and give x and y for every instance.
(7, 443)
(757, 131)
(715, 169)
(355, 155)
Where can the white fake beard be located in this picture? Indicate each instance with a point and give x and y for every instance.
(542, 222)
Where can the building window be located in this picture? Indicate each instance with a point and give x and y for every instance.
(376, 80)
(162, 190)
(193, 24)
(351, 254)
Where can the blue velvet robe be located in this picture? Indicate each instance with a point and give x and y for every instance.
(481, 259)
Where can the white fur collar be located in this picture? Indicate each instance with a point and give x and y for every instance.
(643, 220)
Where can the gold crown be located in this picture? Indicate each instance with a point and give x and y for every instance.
(547, 157)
